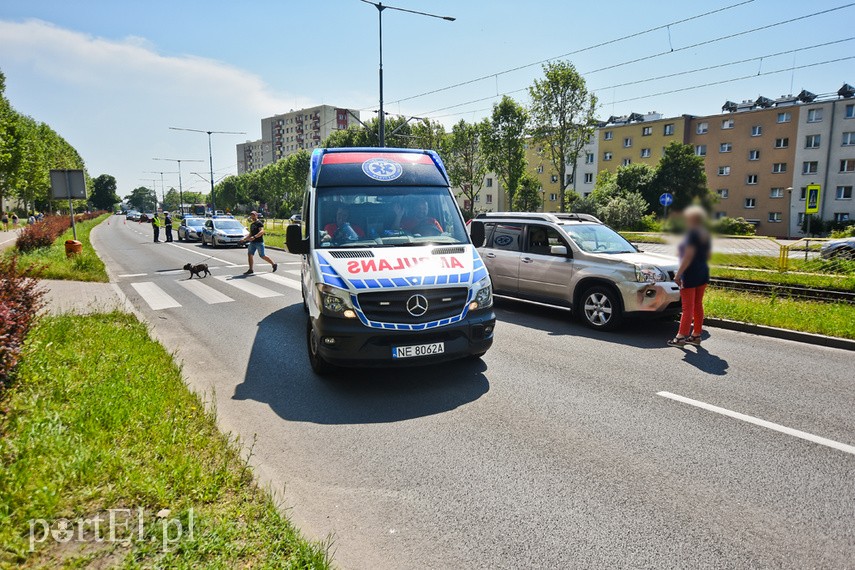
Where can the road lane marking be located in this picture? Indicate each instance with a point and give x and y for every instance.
(154, 296)
(246, 286)
(296, 272)
(762, 423)
(229, 263)
(133, 275)
(281, 280)
(205, 292)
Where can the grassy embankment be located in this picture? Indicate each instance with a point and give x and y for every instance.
(55, 265)
(87, 428)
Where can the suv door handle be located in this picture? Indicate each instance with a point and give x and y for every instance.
(526, 260)
(490, 255)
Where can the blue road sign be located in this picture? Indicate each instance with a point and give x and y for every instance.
(666, 199)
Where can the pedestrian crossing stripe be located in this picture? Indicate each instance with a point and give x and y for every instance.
(154, 296)
(281, 280)
(157, 297)
(247, 286)
(205, 292)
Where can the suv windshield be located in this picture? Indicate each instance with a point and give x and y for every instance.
(227, 224)
(597, 238)
(387, 216)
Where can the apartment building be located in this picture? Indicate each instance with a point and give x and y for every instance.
(586, 167)
(825, 155)
(287, 133)
(540, 166)
(637, 138)
(749, 154)
(492, 197)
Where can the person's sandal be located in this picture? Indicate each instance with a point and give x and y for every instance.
(694, 340)
(678, 341)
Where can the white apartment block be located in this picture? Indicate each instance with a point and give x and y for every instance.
(825, 155)
(491, 198)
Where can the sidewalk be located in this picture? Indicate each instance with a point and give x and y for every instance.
(82, 297)
(7, 239)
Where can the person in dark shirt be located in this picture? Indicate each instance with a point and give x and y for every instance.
(255, 243)
(419, 221)
(168, 226)
(693, 276)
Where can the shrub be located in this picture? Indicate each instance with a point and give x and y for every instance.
(623, 212)
(846, 232)
(20, 300)
(44, 233)
(733, 227)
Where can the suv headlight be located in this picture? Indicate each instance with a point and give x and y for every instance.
(335, 302)
(483, 297)
(649, 274)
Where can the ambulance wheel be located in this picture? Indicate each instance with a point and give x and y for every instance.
(319, 366)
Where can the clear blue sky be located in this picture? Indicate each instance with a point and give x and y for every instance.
(112, 76)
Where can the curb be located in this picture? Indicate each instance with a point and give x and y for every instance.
(786, 334)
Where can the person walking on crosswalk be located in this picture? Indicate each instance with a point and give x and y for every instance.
(255, 243)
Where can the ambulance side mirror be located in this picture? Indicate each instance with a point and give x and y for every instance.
(294, 240)
(476, 233)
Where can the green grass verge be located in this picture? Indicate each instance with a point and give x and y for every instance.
(55, 265)
(641, 237)
(100, 419)
(840, 282)
(832, 319)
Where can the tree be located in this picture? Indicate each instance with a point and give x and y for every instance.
(681, 173)
(104, 195)
(398, 134)
(624, 211)
(429, 135)
(465, 160)
(142, 199)
(529, 196)
(562, 118)
(635, 177)
(504, 146)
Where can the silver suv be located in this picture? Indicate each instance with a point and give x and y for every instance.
(576, 262)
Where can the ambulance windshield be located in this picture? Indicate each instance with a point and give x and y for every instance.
(387, 216)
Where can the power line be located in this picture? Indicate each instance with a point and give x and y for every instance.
(574, 52)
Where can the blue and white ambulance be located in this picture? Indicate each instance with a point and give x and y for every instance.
(389, 275)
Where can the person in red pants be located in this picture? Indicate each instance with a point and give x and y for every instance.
(693, 276)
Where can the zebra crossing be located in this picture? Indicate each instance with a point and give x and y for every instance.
(165, 294)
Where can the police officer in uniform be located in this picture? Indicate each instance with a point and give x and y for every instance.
(155, 225)
(168, 226)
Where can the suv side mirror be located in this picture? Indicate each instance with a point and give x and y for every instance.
(476, 233)
(294, 240)
(558, 250)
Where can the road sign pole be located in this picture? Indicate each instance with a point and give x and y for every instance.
(70, 205)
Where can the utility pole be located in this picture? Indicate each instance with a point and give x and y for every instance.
(180, 187)
(210, 154)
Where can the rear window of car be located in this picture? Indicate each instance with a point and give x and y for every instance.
(227, 224)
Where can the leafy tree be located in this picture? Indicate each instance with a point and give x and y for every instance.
(104, 195)
(681, 173)
(398, 134)
(429, 135)
(636, 177)
(623, 211)
(529, 196)
(142, 199)
(465, 160)
(504, 144)
(562, 117)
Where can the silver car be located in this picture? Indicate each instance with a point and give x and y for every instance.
(191, 229)
(220, 232)
(576, 262)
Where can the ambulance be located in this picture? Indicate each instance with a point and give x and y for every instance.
(389, 274)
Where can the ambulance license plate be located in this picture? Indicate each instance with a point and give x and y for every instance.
(418, 350)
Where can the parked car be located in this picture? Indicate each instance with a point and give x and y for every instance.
(191, 229)
(132, 216)
(219, 232)
(839, 249)
(576, 262)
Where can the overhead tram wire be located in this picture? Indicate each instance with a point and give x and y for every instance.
(574, 52)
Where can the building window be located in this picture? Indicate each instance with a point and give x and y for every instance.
(627, 142)
(844, 193)
(847, 165)
(724, 171)
(801, 218)
(782, 142)
(702, 128)
(554, 178)
(719, 215)
(776, 193)
(553, 197)
(646, 131)
(626, 161)
(727, 124)
(812, 141)
(701, 149)
(850, 112)
(540, 169)
(607, 156)
(608, 135)
(751, 179)
(489, 198)
(814, 115)
(841, 216)
(669, 128)
(589, 177)
(810, 167)
(849, 139)
(785, 117)
(723, 193)
(775, 217)
(751, 203)
(779, 167)
(489, 183)
(802, 193)
(645, 153)
(589, 158)
(754, 154)
(756, 131)
(725, 147)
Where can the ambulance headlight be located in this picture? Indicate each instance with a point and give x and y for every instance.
(335, 302)
(483, 295)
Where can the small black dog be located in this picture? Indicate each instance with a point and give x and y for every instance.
(197, 270)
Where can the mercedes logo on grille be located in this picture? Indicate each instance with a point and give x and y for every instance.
(417, 305)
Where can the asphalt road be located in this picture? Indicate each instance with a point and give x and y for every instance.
(564, 448)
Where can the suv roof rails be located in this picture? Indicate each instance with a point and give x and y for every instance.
(543, 216)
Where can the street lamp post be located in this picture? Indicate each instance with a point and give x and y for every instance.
(162, 185)
(180, 186)
(380, 7)
(210, 154)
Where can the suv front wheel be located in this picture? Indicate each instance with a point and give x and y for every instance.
(600, 308)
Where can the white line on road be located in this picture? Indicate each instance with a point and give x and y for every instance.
(229, 263)
(762, 423)
(296, 272)
(156, 297)
(205, 292)
(281, 280)
(133, 275)
(246, 286)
